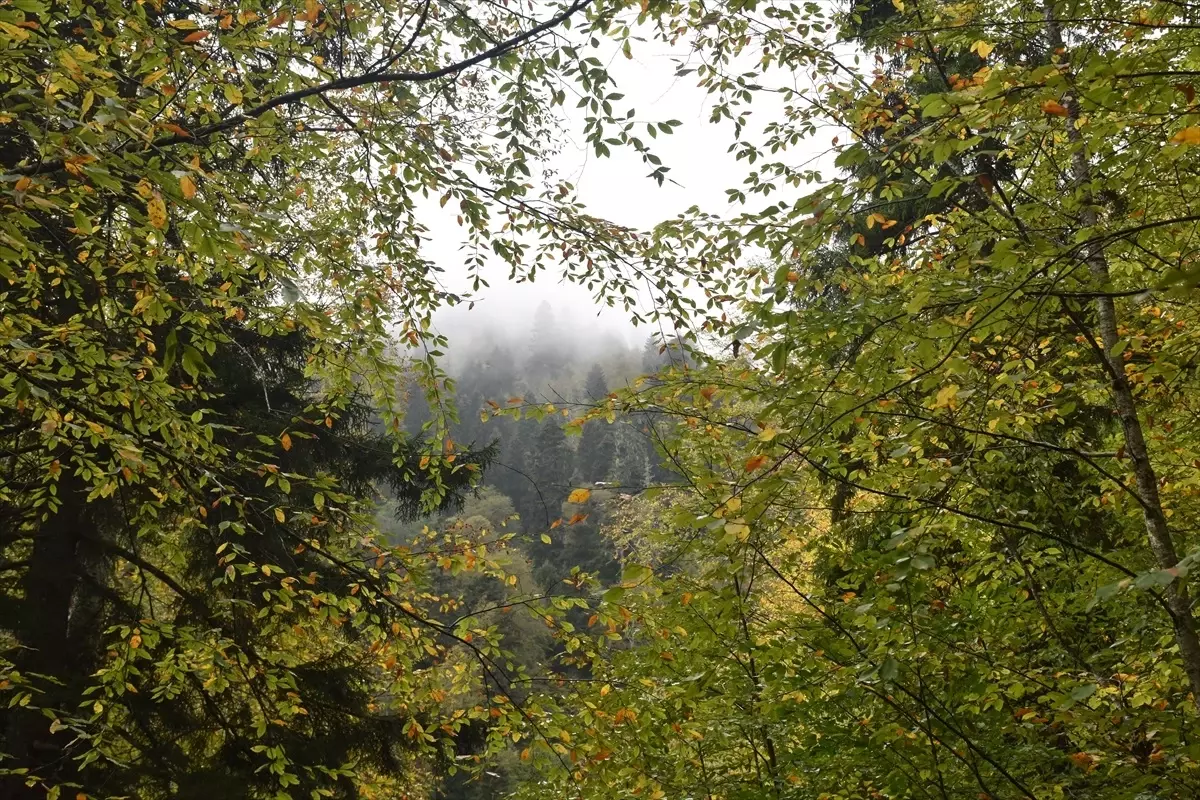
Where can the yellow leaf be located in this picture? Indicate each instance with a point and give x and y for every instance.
(982, 48)
(279, 515)
(739, 530)
(153, 77)
(14, 31)
(1187, 136)
(187, 186)
(135, 641)
(24, 183)
(579, 496)
(156, 210)
(947, 397)
(286, 441)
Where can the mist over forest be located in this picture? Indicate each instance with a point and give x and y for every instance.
(550, 490)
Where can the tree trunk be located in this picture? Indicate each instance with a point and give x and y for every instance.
(1162, 544)
(45, 658)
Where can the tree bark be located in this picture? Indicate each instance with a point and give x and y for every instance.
(1162, 544)
(45, 658)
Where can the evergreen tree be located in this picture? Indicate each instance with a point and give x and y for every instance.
(174, 731)
(547, 350)
(630, 458)
(518, 477)
(597, 445)
(551, 465)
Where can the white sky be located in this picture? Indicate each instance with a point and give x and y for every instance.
(617, 188)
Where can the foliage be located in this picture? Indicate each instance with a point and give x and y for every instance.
(939, 531)
(204, 206)
(930, 522)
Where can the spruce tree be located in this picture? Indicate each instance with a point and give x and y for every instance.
(597, 445)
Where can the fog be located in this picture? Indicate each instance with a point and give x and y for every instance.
(616, 188)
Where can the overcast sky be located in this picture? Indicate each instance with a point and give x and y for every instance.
(617, 188)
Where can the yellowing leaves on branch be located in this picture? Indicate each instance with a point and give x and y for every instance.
(205, 331)
(918, 580)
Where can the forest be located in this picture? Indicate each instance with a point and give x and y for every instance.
(888, 490)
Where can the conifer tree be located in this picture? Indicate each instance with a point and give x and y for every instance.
(597, 445)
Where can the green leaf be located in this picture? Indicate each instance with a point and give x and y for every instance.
(193, 362)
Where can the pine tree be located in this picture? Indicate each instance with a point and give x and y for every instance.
(597, 445)
(551, 465)
(630, 458)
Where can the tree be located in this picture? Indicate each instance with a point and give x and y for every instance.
(597, 445)
(196, 734)
(551, 466)
(202, 206)
(925, 549)
(547, 348)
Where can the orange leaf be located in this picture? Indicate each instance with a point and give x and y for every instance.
(1057, 109)
(707, 392)
(196, 37)
(286, 441)
(579, 496)
(1186, 136)
(187, 186)
(577, 519)
(24, 183)
(178, 130)
(754, 462)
